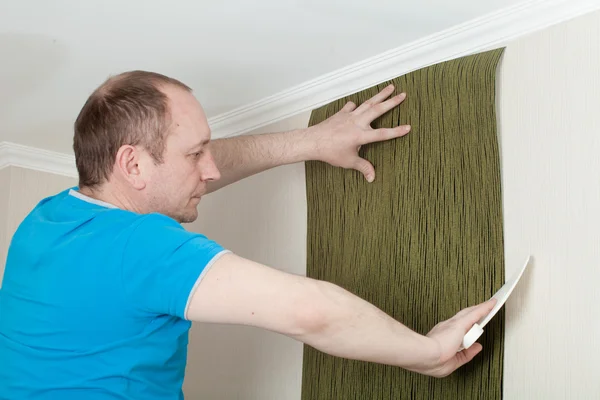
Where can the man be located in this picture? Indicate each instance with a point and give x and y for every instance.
(102, 282)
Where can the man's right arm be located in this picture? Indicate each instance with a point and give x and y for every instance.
(327, 317)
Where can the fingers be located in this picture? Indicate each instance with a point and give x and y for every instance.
(365, 168)
(382, 134)
(467, 355)
(480, 311)
(467, 317)
(477, 311)
(378, 98)
(349, 107)
(458, 361)
(371, 113)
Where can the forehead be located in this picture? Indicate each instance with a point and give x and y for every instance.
(189, 125)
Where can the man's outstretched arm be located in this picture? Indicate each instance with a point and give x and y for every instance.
(335, 141)
(327, 317)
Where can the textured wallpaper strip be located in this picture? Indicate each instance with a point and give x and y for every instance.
(425, 239)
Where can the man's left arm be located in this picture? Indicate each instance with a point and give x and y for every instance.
(336, 141)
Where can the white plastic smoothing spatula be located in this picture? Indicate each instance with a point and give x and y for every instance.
(501, 296)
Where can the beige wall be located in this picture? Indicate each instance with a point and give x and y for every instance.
(262, 218)
(29, 187)
(550, 139)
(24, 189)
(4, 200)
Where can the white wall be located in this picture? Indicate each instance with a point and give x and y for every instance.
(262, 218)
(549, 105)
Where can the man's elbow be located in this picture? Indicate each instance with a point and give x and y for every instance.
(313, 314)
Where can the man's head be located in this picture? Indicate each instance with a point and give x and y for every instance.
(144, 138)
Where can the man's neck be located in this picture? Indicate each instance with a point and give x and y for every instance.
(114, 197)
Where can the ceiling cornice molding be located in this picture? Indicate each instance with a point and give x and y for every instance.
(484, 33)
(17, 155)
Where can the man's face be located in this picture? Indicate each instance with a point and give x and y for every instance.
(175, 186)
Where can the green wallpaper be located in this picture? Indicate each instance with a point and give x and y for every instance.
(422, 241)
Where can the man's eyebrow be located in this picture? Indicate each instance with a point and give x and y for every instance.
(201, 144)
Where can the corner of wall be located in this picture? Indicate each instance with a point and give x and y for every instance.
(5, 184)
(17, 155)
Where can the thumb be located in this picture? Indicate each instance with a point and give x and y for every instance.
(467, 355)
(365, 168)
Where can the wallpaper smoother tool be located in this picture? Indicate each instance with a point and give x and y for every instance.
(501, 295)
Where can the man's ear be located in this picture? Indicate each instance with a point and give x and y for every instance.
(128, 166)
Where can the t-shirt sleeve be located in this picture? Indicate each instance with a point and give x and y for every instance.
(163, 263)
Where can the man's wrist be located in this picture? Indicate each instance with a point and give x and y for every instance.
(426, 354)
(306, 146)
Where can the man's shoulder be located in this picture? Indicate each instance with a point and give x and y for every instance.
(160, 230)
(69, 207)
(69, 213)
(159, 236)
(66, 213)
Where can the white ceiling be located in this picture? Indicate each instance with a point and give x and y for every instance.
(232, 53)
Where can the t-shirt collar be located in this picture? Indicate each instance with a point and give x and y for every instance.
(88, 199)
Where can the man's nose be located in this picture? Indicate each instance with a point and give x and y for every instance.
(210, 171)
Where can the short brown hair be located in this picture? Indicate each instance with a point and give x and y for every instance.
(128, 108)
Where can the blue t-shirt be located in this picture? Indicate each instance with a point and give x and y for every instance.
(93, 302)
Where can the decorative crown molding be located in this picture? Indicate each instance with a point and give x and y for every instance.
(484, 33)
(480, 34)
(17, 155)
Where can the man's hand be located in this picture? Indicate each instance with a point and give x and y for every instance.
(335, 141)
(447, 338)
(338, 139)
